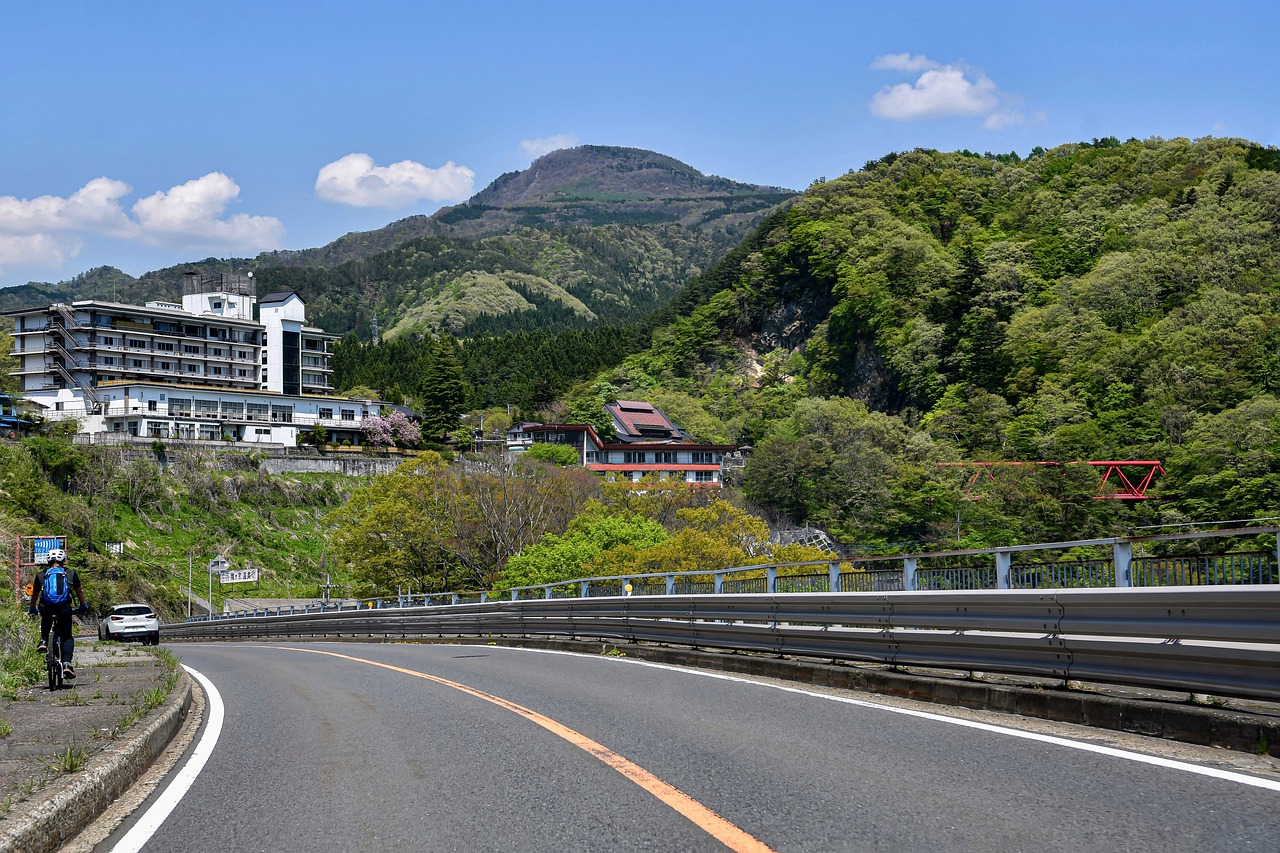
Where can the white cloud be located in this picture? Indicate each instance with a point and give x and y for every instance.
(535, 148)
(903, 62)
(190, 213)
(942, 91)
(36, 250)
(94, 207)
(47, 231)
(355, 180)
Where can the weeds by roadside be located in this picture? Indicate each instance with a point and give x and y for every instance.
(72, 759)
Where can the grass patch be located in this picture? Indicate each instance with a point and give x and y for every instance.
(70, 760)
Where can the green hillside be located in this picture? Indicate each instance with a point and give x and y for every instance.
(1095, 301)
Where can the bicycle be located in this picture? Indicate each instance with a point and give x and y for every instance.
(53, 655)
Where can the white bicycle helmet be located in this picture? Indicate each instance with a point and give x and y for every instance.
(57, 555)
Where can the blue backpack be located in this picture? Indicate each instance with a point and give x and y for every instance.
(56, 589)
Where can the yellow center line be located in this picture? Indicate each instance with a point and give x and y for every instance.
(726, 833)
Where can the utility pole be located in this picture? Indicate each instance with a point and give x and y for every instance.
(326, 586)
(189, 564)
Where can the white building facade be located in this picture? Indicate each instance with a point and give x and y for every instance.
(202, 369)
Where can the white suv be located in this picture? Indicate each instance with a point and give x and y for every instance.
(131, 622)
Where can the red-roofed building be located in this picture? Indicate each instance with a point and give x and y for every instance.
(647, 443)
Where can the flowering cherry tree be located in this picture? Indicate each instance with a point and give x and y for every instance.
(387, 431)
(377, 431)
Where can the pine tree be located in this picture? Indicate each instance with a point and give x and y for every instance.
(443, 390)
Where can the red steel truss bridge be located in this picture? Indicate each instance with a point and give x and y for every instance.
(1121, 481)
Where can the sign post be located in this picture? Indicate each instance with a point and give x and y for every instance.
(218, 564)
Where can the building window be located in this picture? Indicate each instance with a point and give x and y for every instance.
(703, 457)
(348, 414)
(260, 431)
(191, 349)
(152, 405)
(216, 305)
(108, 341)
(282, 414)
(633, 457)
(326, 414)
(164, 347)
(193, 368)
(136, 343)
(592, 456)
(704, 476)
(664, 456)
(138, 363)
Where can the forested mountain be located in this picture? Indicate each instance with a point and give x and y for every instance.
(1094, 302)
(585, 233)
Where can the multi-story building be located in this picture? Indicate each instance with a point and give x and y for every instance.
(201, 369)
(646, 443)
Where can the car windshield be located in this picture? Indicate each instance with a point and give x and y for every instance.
(132, 610)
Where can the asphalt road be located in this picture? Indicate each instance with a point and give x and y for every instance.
(478, 748)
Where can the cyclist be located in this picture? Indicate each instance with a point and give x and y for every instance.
(55, 603)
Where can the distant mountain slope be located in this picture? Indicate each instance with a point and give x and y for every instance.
(587, 233)
(586, 185)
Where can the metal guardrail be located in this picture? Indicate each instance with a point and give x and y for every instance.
(1217, 640)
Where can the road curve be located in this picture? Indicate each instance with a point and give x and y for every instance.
(353, 746)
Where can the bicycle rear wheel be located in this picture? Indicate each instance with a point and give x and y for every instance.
(53, 660)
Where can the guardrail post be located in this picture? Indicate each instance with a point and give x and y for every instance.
(515, 595)
(484, 598)
(671, 584)
(1122, 558)
(1003, 561)
(909, 573)
(454, 598)
(546, 592)
(833, 577)
(582, 589)
(719, 582)
(771, 579)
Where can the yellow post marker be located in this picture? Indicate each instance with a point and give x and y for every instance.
(628, 589)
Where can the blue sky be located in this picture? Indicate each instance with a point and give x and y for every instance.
(140, 135)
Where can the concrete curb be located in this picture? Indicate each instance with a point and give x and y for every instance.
(77, 800)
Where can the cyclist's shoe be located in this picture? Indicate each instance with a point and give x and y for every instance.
(43, 647)
(67, 671)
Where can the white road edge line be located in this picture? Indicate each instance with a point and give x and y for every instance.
(1186, 767)
(141, 832)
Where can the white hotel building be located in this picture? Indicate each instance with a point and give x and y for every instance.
(202, 369)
